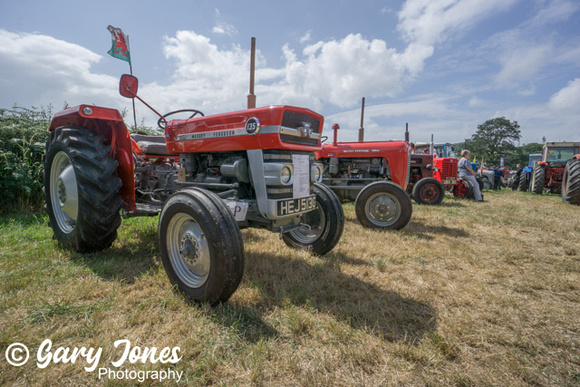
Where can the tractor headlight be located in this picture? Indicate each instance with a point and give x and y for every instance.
(286, 175)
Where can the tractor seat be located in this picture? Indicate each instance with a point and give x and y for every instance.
(152, 145)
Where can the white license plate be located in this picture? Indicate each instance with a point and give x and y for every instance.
(450, 181)
(295, 206)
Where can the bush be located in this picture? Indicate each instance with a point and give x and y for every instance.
(23, 135)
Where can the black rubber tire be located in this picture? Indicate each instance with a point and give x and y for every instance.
(428, 191)
(394, 195)
(571, 183)
(200, 216)
(96, 184)
(327, 224)
(524, 184)
(538, 179)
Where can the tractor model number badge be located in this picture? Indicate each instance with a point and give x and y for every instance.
(252, 125)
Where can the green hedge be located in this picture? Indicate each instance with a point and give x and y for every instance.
(23, 135)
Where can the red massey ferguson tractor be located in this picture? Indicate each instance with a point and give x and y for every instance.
(558, 171)
(374, 174)
(431, 176)
(207, 176)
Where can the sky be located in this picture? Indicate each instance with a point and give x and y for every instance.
(442, 66)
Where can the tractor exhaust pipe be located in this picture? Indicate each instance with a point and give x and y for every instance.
(251, 96)
(407, 132)
(361, 131)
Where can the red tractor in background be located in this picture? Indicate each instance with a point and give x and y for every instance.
(549, 172)
(374, 174)
(437, 170)
(207, 176)
(557, 172)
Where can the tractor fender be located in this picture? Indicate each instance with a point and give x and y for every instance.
(108, 123)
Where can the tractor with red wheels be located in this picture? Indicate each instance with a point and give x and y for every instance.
(206, 177)
(374, 174)
(557, 171)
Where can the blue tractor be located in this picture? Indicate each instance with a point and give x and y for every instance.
(526, 175)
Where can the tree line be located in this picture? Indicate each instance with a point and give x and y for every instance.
(496, 139)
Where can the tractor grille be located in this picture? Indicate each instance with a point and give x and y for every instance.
(279, 191)
(292, 122)
(448, 168)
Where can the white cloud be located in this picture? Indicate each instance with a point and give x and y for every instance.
(38, 68)
(432, 21)
(567, 100)
(306, 37)
(425, 23)
(340, 72)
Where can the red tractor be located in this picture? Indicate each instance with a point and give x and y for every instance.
(374, 174)
(548, 174)
(207, 177)
(434, 174)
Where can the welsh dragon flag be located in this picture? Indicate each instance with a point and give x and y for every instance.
(120, 49)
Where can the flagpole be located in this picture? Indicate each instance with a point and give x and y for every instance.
(131, 72)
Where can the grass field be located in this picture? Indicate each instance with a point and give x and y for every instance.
(467, 294)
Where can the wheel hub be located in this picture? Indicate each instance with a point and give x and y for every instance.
(189, 248)
(383, 207)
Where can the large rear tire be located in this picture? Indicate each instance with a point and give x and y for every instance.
(326, 224)
(524, 184)
(428, 191)
(201, 246)
(81, 189)
(538, 179)
(571, 183)
(383, 205)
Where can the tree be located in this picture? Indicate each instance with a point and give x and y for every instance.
(495, 139)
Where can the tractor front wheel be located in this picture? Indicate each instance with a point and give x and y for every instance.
(571, 183)
(383, 205)
(201, 246)
(81, 189)
(325, 224)
(538, 179)
(428, 191)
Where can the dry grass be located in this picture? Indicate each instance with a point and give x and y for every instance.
(466, 294)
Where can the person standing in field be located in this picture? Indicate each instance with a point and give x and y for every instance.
(465, 172)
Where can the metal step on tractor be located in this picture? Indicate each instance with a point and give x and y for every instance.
(557, 171)
(374, 174)
(207, 177)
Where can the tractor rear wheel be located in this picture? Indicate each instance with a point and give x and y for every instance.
(538, 178)
(383, 205)
(81, 189)
(428, 191)
(201, 246)
(326, 224)
(571, 183)
(463, 189)
(524, 183)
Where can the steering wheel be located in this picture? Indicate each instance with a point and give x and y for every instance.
(162, 122)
